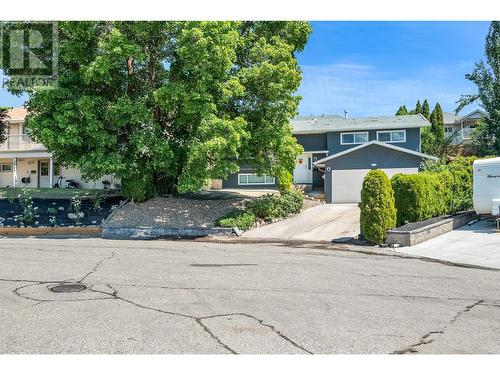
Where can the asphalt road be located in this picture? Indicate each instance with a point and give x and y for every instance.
(200, 297)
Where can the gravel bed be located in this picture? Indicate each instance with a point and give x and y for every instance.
(175, 212)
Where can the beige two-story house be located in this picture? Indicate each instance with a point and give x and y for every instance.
(26, 163)
(460, 127)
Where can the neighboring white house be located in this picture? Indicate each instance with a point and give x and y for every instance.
(25, 163)
(461, 127)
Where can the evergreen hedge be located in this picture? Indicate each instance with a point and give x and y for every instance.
(418, 196)
(378, 212)
(444, 188)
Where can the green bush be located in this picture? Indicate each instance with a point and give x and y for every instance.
(418, 196)
(460, 185)
(285, 179)
(461, 190)
(266, 207)
(138, 188)
(447, 181)
(238, 218)
(292, 201)
(276, 206)
(378, 213)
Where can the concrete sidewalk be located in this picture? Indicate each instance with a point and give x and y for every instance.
(320, 223)
(477, 244)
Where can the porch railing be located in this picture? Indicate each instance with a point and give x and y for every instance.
(466, 133)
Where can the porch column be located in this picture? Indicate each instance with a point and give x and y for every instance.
(51, 172)
(14, 172)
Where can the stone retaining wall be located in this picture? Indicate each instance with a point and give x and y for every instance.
(416, 236)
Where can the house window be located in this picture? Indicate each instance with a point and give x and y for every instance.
(253, 179)
(393, 136)
(44, 168)
(353, 138)
(448, 129)
(57, 169)
(5, 167)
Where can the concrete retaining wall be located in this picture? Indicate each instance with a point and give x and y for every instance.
(149, 233)
(410, 238)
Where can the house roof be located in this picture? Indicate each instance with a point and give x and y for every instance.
(17, 114)
(449, 117)
(363, 145)
(473, 115)
(322, 124)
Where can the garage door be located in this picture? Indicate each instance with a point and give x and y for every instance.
(346, 184)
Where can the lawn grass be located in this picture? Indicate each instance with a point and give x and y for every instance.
(48, 193)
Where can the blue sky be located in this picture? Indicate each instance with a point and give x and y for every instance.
(371, 68)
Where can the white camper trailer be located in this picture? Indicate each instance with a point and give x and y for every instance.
(486, 186)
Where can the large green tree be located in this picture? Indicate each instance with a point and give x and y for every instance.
(418, 108)
(426, 112)
(482, 140)
(433, 140)
(486, 76)
(437, 123)
(402, 111)
(168, 106)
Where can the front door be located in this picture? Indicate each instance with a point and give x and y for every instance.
(302, 174)
(43, 174)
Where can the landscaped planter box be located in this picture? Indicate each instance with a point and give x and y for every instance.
(428, 229)
(92, 216)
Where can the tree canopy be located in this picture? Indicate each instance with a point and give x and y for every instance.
(486, 76)
(426, 112)
(402, 111)
(418, 108)
(168, 106)
(433, 138)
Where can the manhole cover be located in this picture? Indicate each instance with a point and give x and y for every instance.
(68, 288)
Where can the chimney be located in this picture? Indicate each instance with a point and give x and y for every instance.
(345, 113)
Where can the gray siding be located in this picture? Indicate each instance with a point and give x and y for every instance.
(362, 159)
(384, 157)
(312, 142)
(412, 140)
(231, 182)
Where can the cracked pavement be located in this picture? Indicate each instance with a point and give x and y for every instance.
(207, 297)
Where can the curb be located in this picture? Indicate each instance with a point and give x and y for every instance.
(350, 248)
(150, 233)
(37, 231)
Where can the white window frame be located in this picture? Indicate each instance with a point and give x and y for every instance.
(354, 138)
(2, 170)
(256, 183)
(390, 132)
(48, 168)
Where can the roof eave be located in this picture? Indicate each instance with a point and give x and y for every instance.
(397, 148)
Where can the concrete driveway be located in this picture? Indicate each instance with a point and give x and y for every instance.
(319, 223)
(205, 297)
(477, 244)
